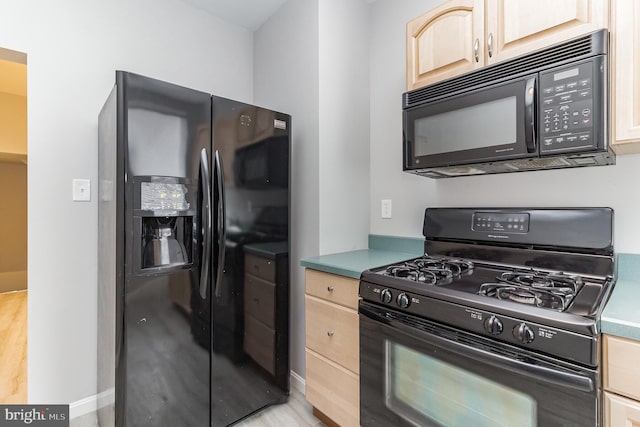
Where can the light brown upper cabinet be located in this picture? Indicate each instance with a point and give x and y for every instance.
(625, 75)
(445, 42)
(453, 39)
(517, 27)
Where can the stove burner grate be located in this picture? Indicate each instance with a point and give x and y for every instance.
(434, 271)
(547, 290)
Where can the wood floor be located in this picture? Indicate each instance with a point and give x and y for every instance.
(297, 412)
(13, 347)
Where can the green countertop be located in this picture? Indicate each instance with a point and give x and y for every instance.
(382, 250)
(621, 316)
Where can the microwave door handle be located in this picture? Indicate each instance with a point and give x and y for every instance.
(529, 113)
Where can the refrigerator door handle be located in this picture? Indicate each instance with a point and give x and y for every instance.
(207, 229)
(222, 226)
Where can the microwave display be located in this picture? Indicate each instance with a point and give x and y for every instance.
(483, 125)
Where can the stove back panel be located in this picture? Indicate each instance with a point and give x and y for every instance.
(582, 230)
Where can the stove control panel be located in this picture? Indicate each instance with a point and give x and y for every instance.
(500, 222)
(492, 324)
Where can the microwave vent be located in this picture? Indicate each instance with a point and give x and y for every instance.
(579, 48)
(545, 163)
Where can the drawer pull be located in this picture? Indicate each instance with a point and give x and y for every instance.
(330, 288)
(329, 333)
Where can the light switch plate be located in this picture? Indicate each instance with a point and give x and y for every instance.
(81, 190)
(385, 208)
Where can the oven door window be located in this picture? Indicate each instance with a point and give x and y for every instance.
(428, 391)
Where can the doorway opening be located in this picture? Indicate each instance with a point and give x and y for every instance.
(13, 227)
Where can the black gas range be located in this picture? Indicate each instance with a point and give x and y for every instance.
(512, 296)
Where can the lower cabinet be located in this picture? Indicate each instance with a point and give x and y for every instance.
(620, 411)
(266, 309)
(332, 389)
(621, 379)
(333, 347)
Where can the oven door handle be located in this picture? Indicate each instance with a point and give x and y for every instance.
(541, 373)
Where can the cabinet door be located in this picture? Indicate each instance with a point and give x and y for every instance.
(333, 331)
(332, 389)
(515, 27)
(619, 411)
(445, 42)
(625, 73)
(621, 373)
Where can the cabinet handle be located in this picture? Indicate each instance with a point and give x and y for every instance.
(330, 288)
(476, 48)
(329, 333)
(490, 45)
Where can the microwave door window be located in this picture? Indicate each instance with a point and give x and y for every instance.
(479, 126)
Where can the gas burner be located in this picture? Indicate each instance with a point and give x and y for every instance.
(455, 266)
(547, 290)
(433, 271)
(537, 279)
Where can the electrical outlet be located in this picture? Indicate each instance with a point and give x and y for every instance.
(81, 190)
(386, 208)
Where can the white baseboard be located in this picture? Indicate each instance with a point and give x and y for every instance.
(298, 383)
(83, 406)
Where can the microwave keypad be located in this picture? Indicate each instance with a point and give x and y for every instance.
(567, 109)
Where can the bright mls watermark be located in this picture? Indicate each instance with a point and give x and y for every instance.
(34, 415)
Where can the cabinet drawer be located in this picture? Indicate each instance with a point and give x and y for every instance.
(260, 343)
(259, 299)
(333, 332)
(621, 368)
(264, 268)
(620, 411)
(338, 289)
(335, 391)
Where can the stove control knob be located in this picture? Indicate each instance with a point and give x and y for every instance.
(403, 300)
(493, 325)
(385, 296)
(523, 333)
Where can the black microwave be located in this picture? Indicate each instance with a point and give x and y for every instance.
(544, 110)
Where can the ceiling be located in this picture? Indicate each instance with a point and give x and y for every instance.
(250, 14)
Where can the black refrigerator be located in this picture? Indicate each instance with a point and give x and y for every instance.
(193, 286)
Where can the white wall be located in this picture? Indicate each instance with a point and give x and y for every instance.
(73, 48)
(614, 186)
(286, 78)
(344, 125)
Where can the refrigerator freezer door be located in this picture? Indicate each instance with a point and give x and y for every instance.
(164, 139)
